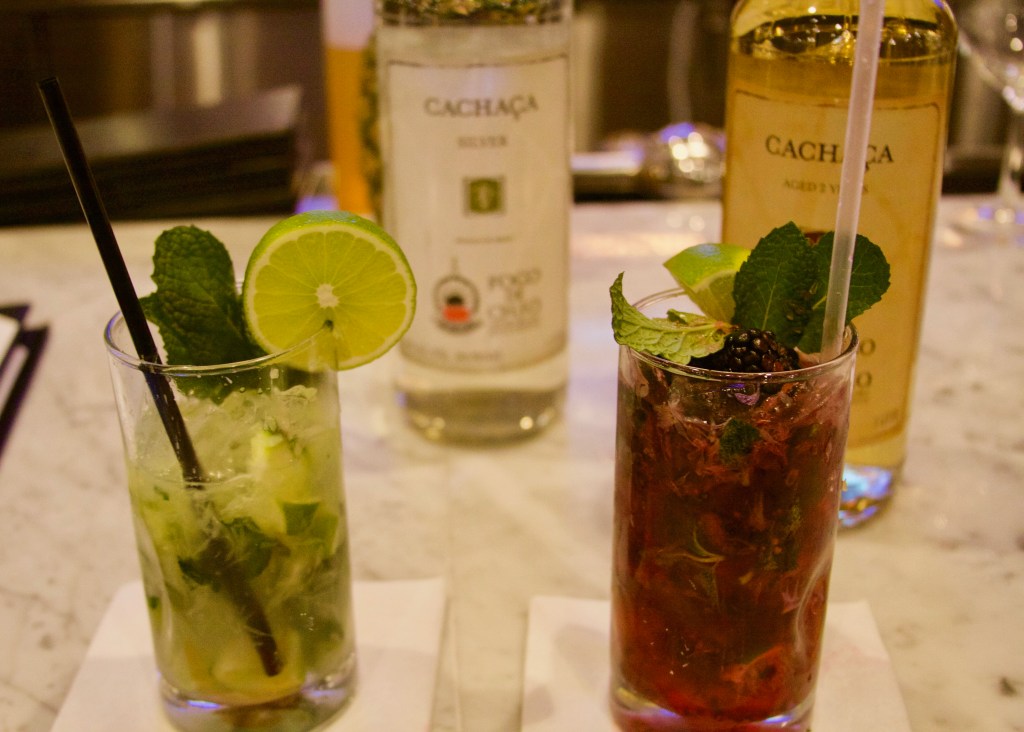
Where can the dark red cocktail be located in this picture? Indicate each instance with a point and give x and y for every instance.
(726, 501)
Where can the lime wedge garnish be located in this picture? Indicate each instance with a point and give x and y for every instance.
(334, 269)
(706, 272)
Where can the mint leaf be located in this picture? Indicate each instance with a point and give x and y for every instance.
(297, 516)
(196, 305)
(737, 440)
(869, 281)
(242, 548)
(679, 337)
(774, 287)
(253, 548)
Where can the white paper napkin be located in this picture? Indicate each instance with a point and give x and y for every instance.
(398, 635)
(567, 670)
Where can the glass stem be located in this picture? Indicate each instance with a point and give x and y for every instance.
(1011, 173)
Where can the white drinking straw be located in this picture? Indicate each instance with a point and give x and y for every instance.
(851, 183)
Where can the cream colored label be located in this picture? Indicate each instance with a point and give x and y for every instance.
(790, 162)
(479, 197)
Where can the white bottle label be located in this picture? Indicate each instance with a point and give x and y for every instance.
(478, 193)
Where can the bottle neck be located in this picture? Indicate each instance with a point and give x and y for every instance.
(414, 13)
(831, 21)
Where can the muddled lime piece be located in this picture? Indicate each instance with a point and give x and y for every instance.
(334, 269)
(707, 272)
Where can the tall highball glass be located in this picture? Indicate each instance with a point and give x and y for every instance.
(244, 558)
(727, 492)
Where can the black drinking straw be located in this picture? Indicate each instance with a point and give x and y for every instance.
(128, 301)
(117, 272)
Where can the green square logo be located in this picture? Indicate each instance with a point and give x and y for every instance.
(484, 195)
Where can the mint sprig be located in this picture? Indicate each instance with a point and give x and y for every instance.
(196, 306)
(677, 337)
(780, 287)
(783, 284)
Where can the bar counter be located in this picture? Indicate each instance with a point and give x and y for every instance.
(942, 569)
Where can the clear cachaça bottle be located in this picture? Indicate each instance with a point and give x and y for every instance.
(789, 73)
(475, 137)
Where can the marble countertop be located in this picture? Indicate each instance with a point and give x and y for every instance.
(943, 569)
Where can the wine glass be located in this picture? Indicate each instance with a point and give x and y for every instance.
(992, 35)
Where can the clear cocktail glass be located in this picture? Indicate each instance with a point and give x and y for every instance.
(245, 563)
(727, 492)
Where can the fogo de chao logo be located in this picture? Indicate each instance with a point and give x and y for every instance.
(456, 303)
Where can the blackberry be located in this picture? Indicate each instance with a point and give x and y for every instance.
(750, 351)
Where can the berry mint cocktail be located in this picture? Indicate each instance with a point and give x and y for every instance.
(729, 455)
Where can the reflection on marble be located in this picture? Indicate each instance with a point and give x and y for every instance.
(943, 570)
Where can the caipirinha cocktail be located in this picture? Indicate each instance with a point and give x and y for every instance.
(244, 547)
(272, 508)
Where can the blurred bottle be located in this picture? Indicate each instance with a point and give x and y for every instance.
(347, 28)
(789, 76)
(475, 128)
